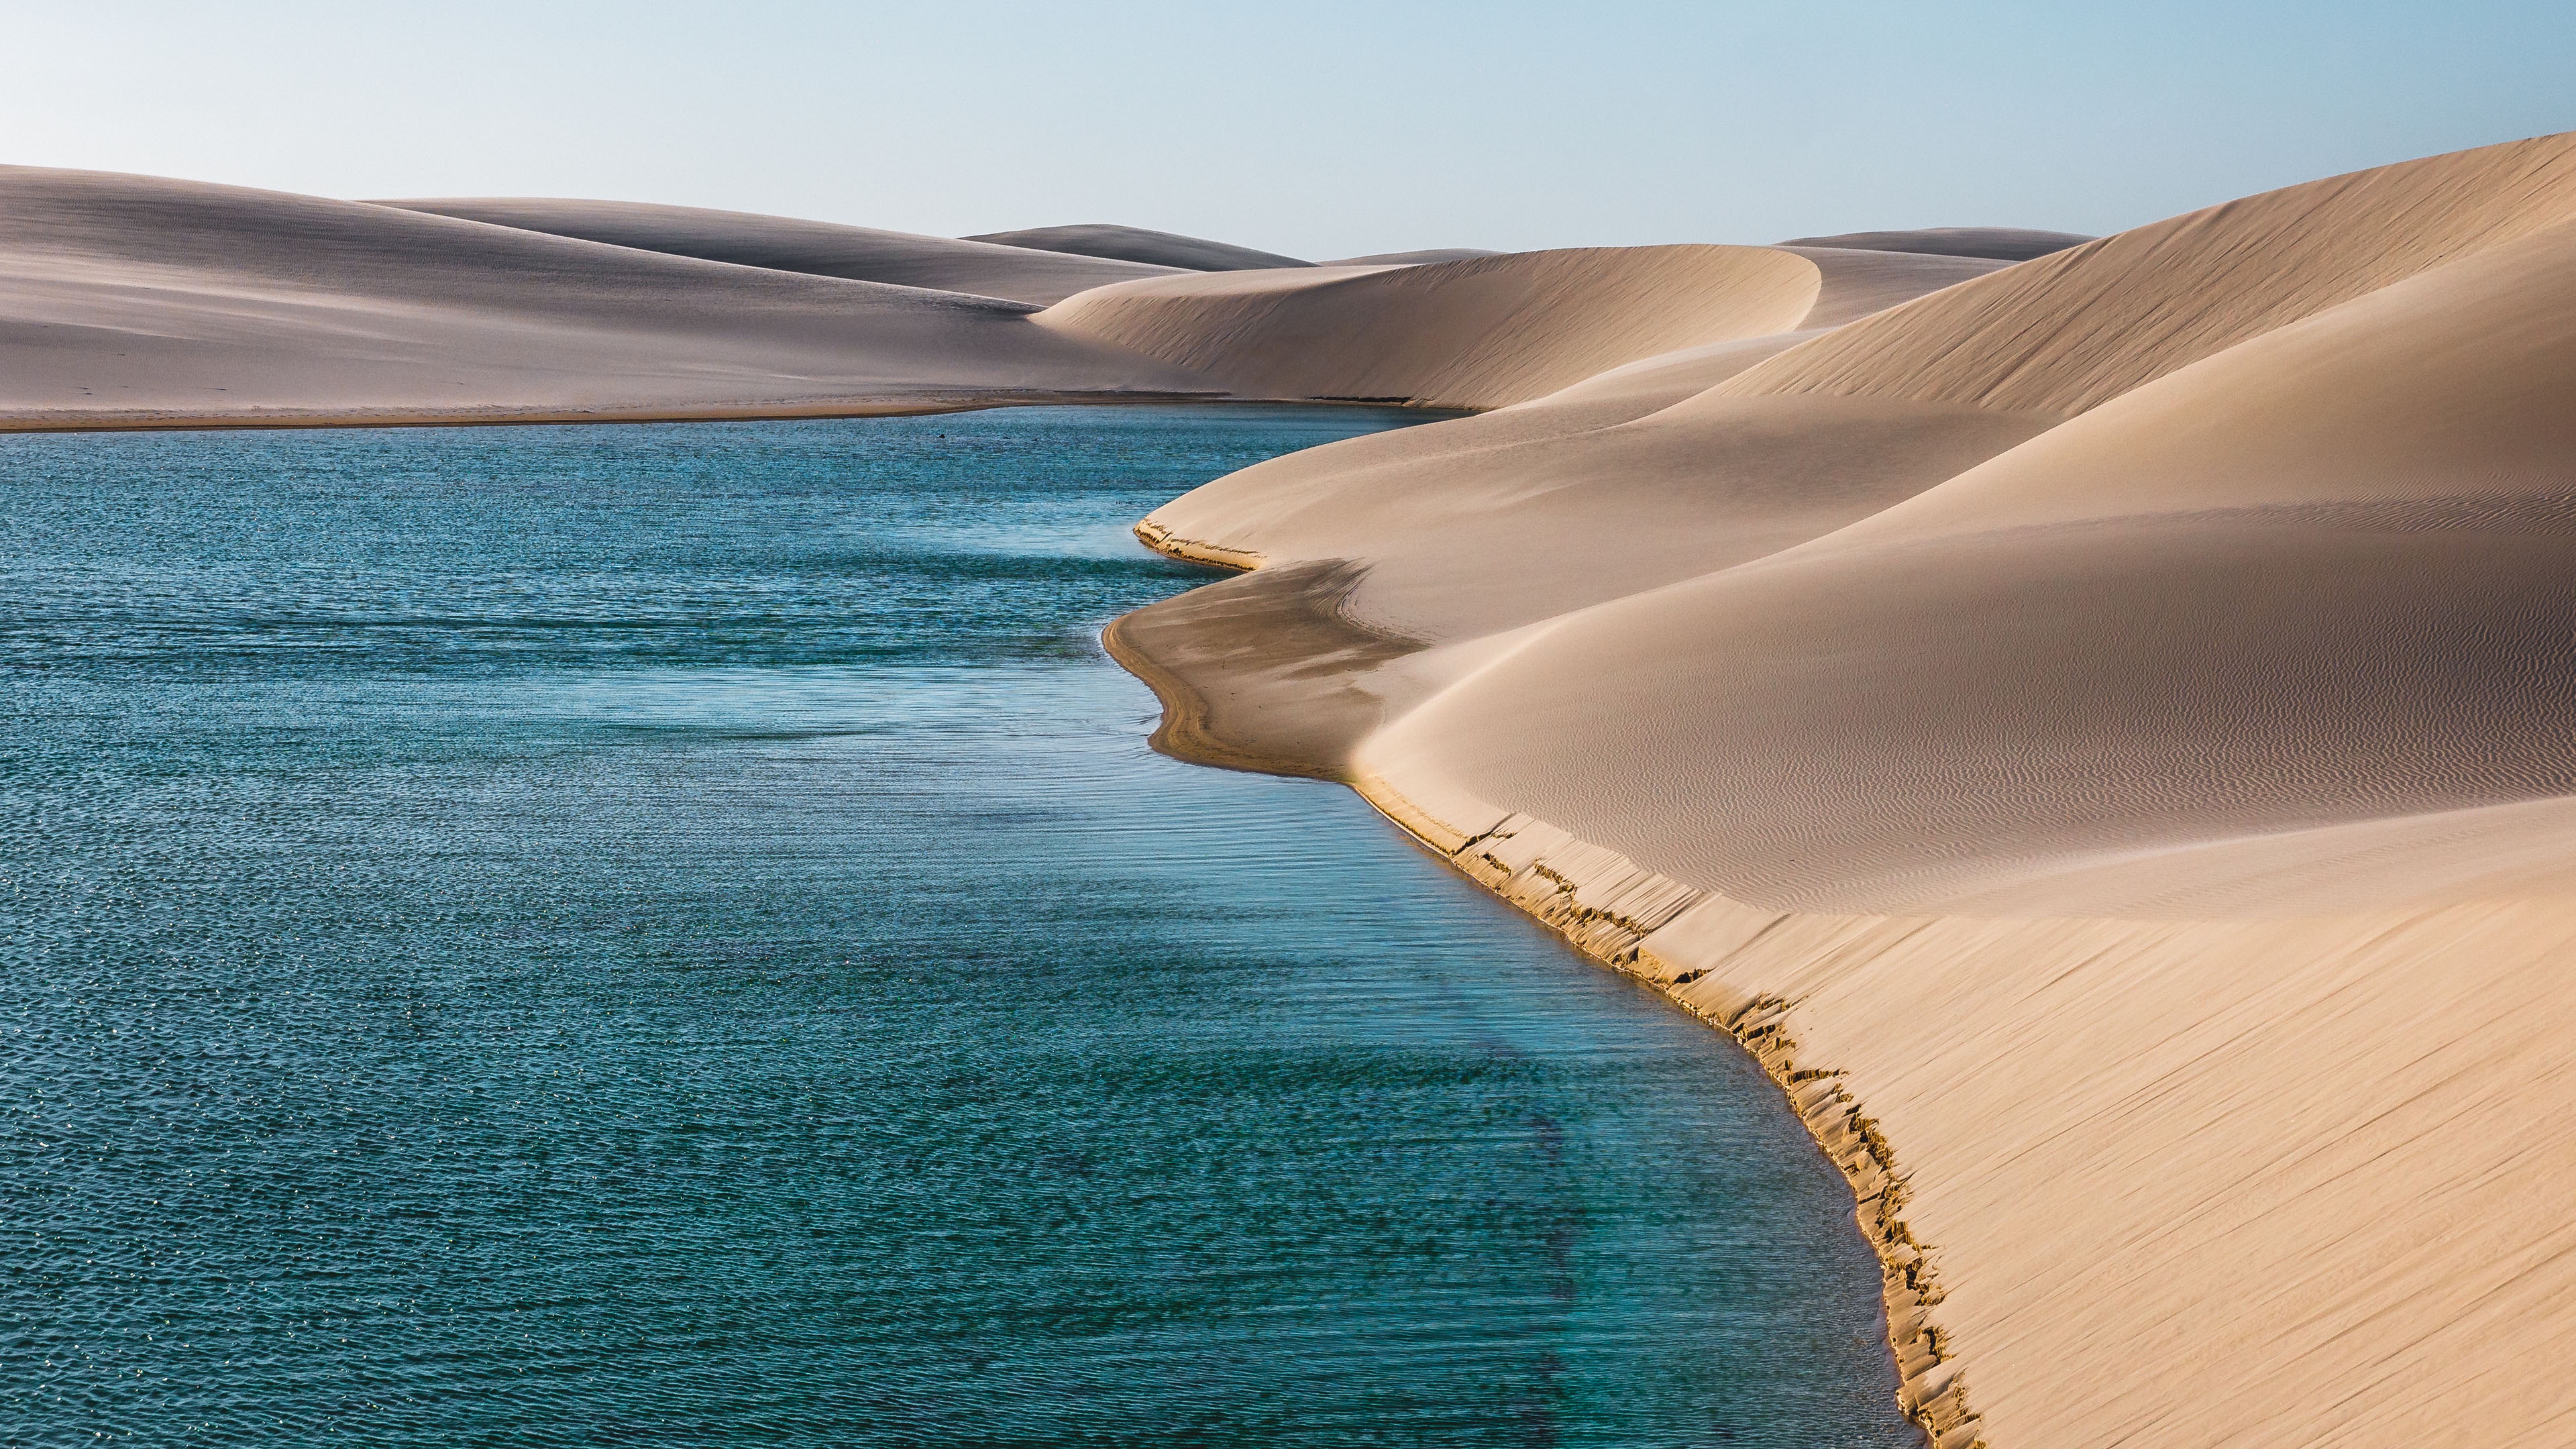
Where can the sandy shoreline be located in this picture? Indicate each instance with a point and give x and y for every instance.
(1611, 926)
(2096, 730)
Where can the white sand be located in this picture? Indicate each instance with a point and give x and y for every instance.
(2113, 720)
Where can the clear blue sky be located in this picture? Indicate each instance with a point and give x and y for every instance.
(1322, 129)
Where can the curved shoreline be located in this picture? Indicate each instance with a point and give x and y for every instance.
(1092, 1096)
(1607, 912)
(1628, 906)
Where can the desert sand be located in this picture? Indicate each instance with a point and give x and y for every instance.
(2100, 731)
(2096, 718)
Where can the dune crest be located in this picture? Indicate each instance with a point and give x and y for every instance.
(822, 249)
(1995, 243)
(1412, 258)
(2103, 732)
(2076, 328)
(1140, 244)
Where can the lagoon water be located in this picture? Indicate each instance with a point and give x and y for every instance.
(671, 934)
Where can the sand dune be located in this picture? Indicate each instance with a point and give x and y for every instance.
(1480, 333)
(136, 300)
(2324, 577)
(1597, 489)
(1413, 258)
(2077, 328)
(1140, 244)
(2099, 731)
(822, 249)
(1999, 243)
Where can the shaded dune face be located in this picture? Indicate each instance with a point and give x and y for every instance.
(1140, 244)
(1412, 258)
(1999, 243)
(822, 249)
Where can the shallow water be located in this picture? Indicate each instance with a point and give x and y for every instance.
(672, 934)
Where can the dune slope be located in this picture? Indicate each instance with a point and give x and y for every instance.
(2078, 327)
(2100, 732)
(1464, 529)
(1480, 333)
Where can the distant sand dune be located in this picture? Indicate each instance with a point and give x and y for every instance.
(137, 300)
(1412, 259)
(1140, 244)
(1998, 243)
(1480, 333)
(862, 254)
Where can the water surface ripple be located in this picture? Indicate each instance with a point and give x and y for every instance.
(671, 934)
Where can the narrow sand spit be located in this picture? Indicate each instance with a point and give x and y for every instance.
(2103, 732)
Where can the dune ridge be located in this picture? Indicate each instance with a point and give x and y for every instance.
(1412, 258)
(2099, 731)
(2077, 327)
(1483, 332)
(1140, 244)
(1995, 243)
(823, 249)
